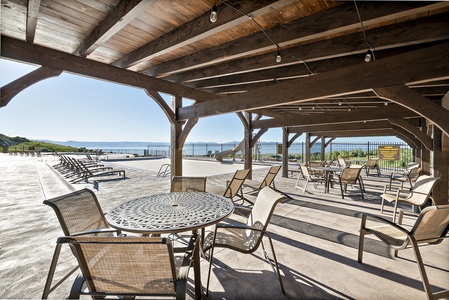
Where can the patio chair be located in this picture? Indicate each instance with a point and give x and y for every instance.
(78, 213)
(188, 184)
(348, 176)
(128, 267)
(233, 188)
(247, 238)
(256, 186)
(430, 228)
(419, 195)
(410, 175)
(310, 177)
(372, 164)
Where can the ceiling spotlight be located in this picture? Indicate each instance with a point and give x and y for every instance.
(300, 108)
(278, 56)
(385, 103)
(339, 103)
(349, 108)
(369, 55)
(213, 14)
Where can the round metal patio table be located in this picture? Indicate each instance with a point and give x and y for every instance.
(172, 213)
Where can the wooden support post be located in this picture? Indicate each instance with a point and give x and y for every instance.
(285, 152)
(248, 136)
(440, 169)
(176, 150)
(307, 155)
(323, 148)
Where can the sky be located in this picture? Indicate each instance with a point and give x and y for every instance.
(78, 108)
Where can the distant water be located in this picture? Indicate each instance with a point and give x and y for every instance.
(198, 149)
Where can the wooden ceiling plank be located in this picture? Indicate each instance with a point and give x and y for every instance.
(416, 66)
(195, 30)
(410, 99)
(22, 51)
(125, 12)
(32, 15)
(263, 66)
(331, 21)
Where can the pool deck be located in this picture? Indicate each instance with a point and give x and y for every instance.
(315, 236)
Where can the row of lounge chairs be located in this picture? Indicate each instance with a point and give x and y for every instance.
(76, 170)
(31, 153)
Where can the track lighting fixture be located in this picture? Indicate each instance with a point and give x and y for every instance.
(339, 103)
(349, 108)
(213, 14)
(300, 108)
(278, 56)
(386, 103)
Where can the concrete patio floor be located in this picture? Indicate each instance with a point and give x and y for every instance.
(315, 237)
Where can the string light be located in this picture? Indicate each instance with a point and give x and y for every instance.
(213, 14)
(278, 56)
(369, 55)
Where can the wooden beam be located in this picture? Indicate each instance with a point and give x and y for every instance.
(163, 105)
(185, 132)
(25, 52)
(331, 21)
(420, 135)
(428, 64)
(248, 68)
(125, 12)
(32, 16)
(13, 88)
(381, 113)
(336, 127)
(198, 29)
(410, 99)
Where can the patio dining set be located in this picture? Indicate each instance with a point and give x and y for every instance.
(139, 248)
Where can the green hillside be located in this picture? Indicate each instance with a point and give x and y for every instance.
(23, 144)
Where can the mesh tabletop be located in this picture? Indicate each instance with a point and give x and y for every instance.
(170, 212)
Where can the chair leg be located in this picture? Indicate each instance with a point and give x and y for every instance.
(361, 238)
(361, 189)
(275, 262)
(211, 254)
(51, 272)
(422, 271)
(342, 192)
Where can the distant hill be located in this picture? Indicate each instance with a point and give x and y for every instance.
(11, 141)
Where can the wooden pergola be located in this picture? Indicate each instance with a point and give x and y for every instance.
(320, 85)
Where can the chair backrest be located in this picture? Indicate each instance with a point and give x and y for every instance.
(269, 178)
(125, 265)
(341, 162)
(350, 175)
(188, 184)
(422, 189)
(305, 171)
(260, 215)
(78, 212)
(371, 163)
(432, 224)
(414, 173)
(316, 163)
(236, 183)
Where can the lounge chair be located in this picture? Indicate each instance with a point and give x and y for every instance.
(410, 175)
(267, 181)
(372, 164)
(233, 189)
(247, 238)
(310, 177)
(419, 195)
(87, 173)
(349, 176)
(129, 266)
(78, 213)
(430, 228)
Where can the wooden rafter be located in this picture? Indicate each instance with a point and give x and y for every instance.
(422, 65)
(32, 15)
